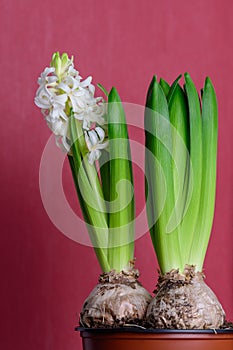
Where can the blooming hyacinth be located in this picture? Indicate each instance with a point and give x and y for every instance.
(63, 93)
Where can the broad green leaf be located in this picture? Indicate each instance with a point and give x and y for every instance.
(208, 185)
(159, 175)
(195, 170)
(121, 216)
(165, 87)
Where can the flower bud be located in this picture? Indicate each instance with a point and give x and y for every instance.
(61, 64)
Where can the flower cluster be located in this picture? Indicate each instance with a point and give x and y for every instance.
(62, 92)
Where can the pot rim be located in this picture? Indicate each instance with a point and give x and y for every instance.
(136, 329)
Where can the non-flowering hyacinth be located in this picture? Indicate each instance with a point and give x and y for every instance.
(62, 92)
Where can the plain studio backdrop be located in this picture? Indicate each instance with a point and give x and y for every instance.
(45, 276)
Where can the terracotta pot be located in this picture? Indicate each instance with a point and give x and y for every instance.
(134, 339)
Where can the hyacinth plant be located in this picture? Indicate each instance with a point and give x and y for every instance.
(181, 134)
(94, 134)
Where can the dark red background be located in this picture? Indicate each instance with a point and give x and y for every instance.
(44, 275)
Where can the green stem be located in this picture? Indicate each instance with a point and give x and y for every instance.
(85, 180)
(87, 215)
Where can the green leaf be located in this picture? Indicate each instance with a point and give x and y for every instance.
(195, 170)
(159, 175)
(165, 87)
(208, 186)
(173, 89)
(178, 111)
(121, 216)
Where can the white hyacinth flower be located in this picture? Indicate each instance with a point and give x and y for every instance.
(62, 90)
(46, 78)
(94, 140)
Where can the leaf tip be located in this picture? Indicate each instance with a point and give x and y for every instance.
(113, 95)
(208, 82)
(187, 76)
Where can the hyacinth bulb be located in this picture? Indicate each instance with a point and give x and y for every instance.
(184, 301)
(118, 300)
